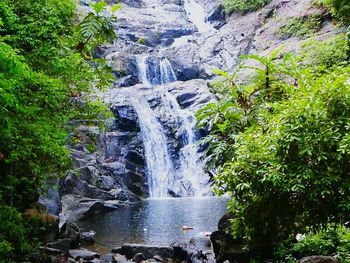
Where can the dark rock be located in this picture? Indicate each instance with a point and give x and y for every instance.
(202, 242)
(158, 258)
(51, 251)
(126, 81)
(87, 238)
(224, 223)
(82, 253)
(190, 253)
(70, 230)
(148, 251)
(225, 246)
(61, 244)
(77, 207)
(318, 259)
(138, 258)
(117, 250)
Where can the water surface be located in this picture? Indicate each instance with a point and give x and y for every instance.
(156, 221)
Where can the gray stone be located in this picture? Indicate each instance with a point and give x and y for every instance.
(190, 253)
(225, 246)
(87, 237)
(138, 258)
(203, 243)
(148, 251)
(318, 259)
(68, 229)
(51, 251)
(77, 207)
(82, 253)
(61, 244)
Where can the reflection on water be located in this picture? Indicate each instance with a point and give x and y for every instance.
(156, 221)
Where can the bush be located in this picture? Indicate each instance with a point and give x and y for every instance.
(333, 241)
(19, 235)
(244, 6)
(287, 151)
(300, 26)
(328, 52)
(340, 9)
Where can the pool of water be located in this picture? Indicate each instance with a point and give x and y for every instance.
(156, 221)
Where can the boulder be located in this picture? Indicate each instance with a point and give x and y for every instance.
(225, 246)
(203, 243)
(51, 251)
(87, 238)
(63, 244)
(77, 207)
(68, 229)
(318, 259)
(82, 254)
(190, 253)
(138, 257)
(148, 251)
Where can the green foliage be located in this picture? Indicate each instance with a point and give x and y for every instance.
(45, 83)
(303, 26)
(340, 9)
(328, 52)
(284, 156)
(18, 235)
(333, 241)
(141, 41)
(244, 6)
(97, 28)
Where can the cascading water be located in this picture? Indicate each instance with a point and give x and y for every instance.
(159, 165)
(190, 165)
(166, 173)
(155, 70)
(167, 74)
(196, 14)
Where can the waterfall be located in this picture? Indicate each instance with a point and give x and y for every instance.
(143, 70)
(159, 165)
(155, 70)
(167, 74)
(190, 164)
(196, 15)
(173, 164)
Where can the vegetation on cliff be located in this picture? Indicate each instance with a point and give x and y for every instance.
(279, 142)
(47, 80)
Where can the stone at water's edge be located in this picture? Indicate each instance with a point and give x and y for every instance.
(76, 207)
(318, 259)
(82, 254)
(148, 251)
(225, 247)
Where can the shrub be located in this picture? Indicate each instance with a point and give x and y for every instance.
(340, 9)
(141, 41)
(334, 240)
(244, 6)
(287, 151)
(300, 26)
(328, 52)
